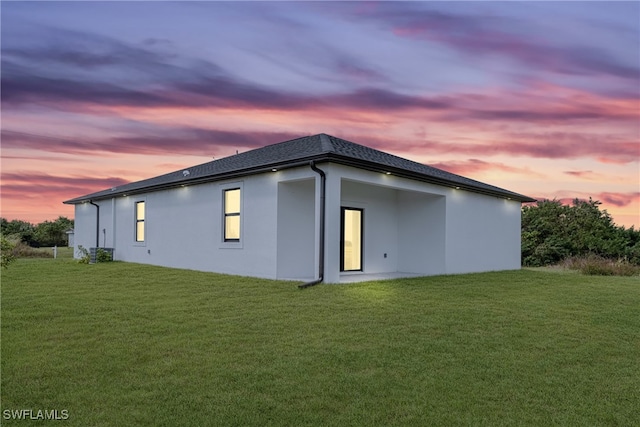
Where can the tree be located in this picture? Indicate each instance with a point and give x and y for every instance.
(47, 233)
(21, 230)
(552, 231)
(543, 231)
(53, 233)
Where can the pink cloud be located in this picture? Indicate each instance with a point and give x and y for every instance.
(471, 166)
(547, 146)
(619, 199)
(583, 174)
(616, 199)
(20, 186)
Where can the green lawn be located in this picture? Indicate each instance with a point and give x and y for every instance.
(126, 344)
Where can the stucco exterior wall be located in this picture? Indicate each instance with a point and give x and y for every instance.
(84, 227)
(296, 228)
(380, 223)
(184, 226)
(422, 228)
(482, 233)
(436, 230)
(421, 231)
(394, 222)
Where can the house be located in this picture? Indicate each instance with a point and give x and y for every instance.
(309, 209)
(70, 238)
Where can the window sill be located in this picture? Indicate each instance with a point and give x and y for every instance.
(231, 245)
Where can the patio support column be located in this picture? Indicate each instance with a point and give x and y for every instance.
(332, 226)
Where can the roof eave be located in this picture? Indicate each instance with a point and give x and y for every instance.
(324, 157)
(193, 181)
(377, 167)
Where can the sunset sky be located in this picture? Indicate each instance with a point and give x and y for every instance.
(541, 98)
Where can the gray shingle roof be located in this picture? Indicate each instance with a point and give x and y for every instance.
(297, 152)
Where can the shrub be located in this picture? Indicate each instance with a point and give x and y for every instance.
(83, 255)
(6, 252)
(23, 250)
(595, 265)
(103, 256)
(595, 269)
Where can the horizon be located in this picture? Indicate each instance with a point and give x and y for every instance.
(539, 98)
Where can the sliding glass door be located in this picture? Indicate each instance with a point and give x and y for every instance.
(351, 228)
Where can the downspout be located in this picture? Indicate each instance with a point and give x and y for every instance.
(97, 223)
(113, 224)
(323, 187)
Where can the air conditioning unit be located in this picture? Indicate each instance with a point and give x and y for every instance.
(93, 254)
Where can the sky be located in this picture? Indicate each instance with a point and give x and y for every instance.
(540, 98)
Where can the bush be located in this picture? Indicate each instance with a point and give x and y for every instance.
(22, 250)
(6, 252)
(13, 248)
(595, 265)
(103, 256)
(83, 255)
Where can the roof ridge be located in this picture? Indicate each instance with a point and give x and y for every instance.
(319, 146)
(325, 143)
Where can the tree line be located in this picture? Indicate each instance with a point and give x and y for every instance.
(553, 232)
(44, 234)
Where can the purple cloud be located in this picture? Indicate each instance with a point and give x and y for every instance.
(193, 141)
(488, 35)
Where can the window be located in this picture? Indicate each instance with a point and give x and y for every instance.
(139, 221)
(232, 215)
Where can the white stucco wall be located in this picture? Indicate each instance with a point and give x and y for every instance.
(394, 222)
(437, 230)
(296, 227)
(84, 227)
(422, 228)
(184, 227)
(70, 239)
(483, 233)
(380, 216)
(421, 231)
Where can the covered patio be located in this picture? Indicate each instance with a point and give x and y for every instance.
(371, 277)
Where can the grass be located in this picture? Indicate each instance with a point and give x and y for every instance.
(128, 344)
(22, 250)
